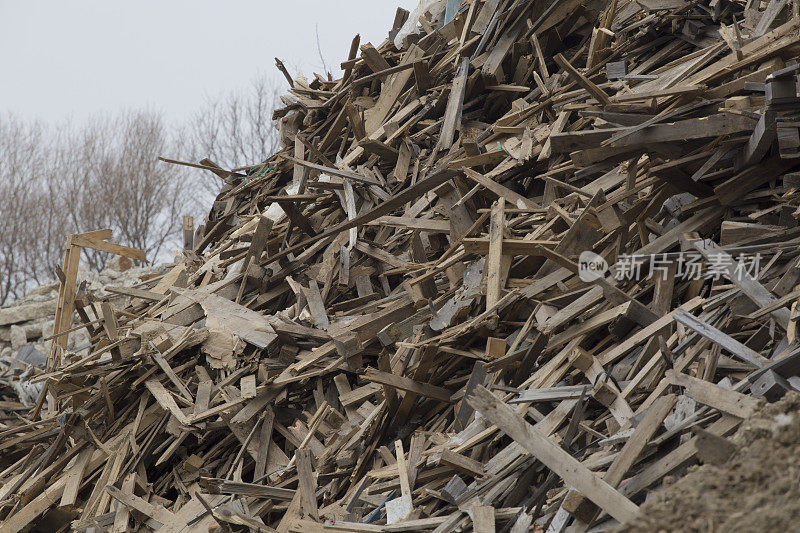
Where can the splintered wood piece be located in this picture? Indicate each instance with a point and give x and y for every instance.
(452, 114)
(483, 518)
(496, 263)
(307, 483)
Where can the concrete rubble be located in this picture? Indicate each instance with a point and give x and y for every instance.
(25, 324)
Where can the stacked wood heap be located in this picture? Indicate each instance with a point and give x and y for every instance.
(391, 324)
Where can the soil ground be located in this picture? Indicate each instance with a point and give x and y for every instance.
(757, 489)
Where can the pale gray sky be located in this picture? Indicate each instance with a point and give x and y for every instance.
(79, 57)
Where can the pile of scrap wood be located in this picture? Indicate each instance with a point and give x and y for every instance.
(403, 321)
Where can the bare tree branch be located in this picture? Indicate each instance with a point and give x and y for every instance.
(319, 50)
(235, 129)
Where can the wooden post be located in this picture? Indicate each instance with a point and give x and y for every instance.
(188, 232)
(65, 307)
(66, 302)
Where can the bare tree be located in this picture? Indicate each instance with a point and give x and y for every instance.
(145, 197)
(114, 180)
(105, 173)
(235, 129)
(21, 149)
(48, 226)
(83, 159)
(73, 178)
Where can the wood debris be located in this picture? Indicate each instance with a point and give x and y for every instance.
(501, 278)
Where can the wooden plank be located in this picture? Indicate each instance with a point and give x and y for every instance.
(66, 302)
(73, 479)
(87, 241)
(552, 456)
(480, 245)
(463, 464)
(264, 442)
(495, 276)
(726, 400)
(358, 178)
(682, 130)
(422, 224)
(316, 305)
(407, 384)
(394, 86)
(596, 92)
(165, 399)
(626, 458)
(734, 347)
(465, 411)
(452, 114)
(122, 516)
(677, 458)
(744, 281)
(500, 190)
(405, 485)
(373, 58)
(307, 483)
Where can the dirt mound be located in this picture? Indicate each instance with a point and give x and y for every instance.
(757, 489)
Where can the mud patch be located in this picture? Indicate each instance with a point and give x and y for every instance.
(757, 489)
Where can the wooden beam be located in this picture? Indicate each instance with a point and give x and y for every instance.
(596, 92)
(553, 456)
